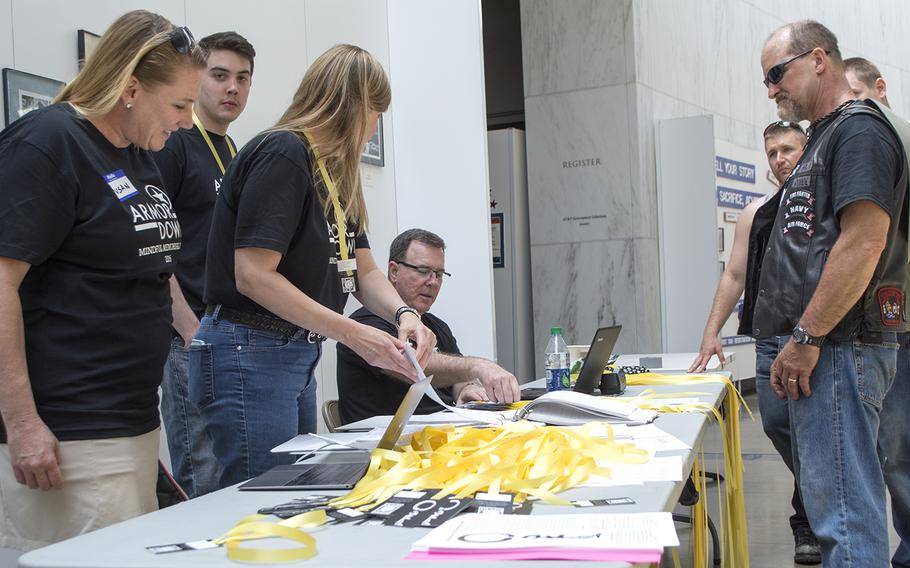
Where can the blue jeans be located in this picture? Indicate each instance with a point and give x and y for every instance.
(894, 450)
(256, 390)
(775, 417)
(835, 434)
(194, 465)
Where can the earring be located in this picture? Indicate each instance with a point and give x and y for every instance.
(129, 105)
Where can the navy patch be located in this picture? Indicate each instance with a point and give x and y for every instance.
(891, 306)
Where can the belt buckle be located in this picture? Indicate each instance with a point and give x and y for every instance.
(313, 337)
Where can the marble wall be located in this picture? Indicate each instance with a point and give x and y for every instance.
(592, 231)
(598, 76)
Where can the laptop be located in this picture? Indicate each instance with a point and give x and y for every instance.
(595, 361)
(337, 469)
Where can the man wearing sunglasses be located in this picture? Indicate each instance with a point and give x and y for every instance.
(866, 82)
(827, 265)
(417, 271)
(784, 142)
(192, 164)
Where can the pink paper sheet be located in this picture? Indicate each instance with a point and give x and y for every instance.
(644, 556)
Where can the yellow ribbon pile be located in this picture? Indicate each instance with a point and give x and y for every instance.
(519, 458)
(734, 540)
(254, 527)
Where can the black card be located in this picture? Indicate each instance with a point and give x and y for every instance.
(429, 512)
(346, 515)
(395, 504)
(602, 502)
(495, 504)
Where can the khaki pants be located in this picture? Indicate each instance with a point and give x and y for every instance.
(104, 482)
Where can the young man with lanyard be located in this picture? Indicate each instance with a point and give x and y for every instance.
(192, 164)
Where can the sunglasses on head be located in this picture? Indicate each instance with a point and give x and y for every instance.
(776, 73)
(182, 39)
(783, 124)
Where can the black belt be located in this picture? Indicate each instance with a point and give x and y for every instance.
(262, 323)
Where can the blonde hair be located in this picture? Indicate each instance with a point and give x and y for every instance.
(334, 99)
(136, 44)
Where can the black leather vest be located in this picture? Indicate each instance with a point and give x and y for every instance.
(790, 241)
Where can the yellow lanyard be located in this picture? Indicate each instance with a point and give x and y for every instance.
(205, 136)
(255, 527)
(336, 205)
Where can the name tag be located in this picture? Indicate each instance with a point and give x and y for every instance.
(348, 265)
(122, 186)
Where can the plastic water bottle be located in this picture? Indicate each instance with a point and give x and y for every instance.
(556, 360)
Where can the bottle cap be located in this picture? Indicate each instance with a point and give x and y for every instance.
(556, 330)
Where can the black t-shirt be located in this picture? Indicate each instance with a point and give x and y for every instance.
(193, 180)
(865, 163)
(268, 201)
(101, 236)
(365, 391)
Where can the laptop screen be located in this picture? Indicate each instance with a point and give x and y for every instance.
(597, 358)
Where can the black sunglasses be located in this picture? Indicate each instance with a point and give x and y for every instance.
(424, 271)
(783, 124)
(182, 39)
(776, 73)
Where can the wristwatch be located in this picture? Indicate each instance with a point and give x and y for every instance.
(802, 337)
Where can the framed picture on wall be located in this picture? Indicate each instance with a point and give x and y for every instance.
(373, 152)
(497, 232)
(24, 92)
(87, 42)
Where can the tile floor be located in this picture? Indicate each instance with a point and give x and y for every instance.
(767, 500)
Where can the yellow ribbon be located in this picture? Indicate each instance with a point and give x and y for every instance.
(205, 136)
(520, 458)
(340, 220)
(733, 533)
(254, 527)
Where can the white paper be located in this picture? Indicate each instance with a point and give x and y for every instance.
(660, 444)
(474, 531)
(305, 443)
(480, 416)
(382, 421)
(668, 468)
(673, 401)
(648, 437)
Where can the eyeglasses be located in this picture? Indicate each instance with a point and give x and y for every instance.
(182, 39)
(425, 271)
(783, 124)
(776, 73)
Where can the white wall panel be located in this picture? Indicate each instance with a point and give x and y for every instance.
(276, 30)
(45, 33)
(6, 42)
(436, 65)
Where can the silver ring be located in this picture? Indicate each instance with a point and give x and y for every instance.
(793, 380)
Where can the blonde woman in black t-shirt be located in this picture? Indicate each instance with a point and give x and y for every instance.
(86, 249)
(288, 244)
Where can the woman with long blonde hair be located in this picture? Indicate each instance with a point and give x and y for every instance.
(287, 246)
(86, 250)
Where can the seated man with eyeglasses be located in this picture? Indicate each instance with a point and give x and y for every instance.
(784, 142)
(417, 270)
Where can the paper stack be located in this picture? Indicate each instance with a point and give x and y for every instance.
(634, 537)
